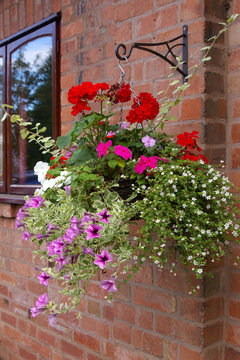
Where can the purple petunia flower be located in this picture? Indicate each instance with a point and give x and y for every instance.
(102, 259)
(56, 247)
(93, 231)
(41, 236)
(26, 235)
(67, 189)
(61, 262)
(36, 202)
(124, 125)
(88, 251)
(87, 218)
(109, 285)
(20, 216)
(51, 227)
(52, 319)
(41, 304)
(44, 277)
(104, 216)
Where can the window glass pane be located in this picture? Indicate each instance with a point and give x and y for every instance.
(31, 93)
(1, 124)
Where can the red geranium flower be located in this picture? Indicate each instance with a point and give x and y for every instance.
(188, 140)
(145, 107)
(119, 93)
(78, 95)
(61, 161)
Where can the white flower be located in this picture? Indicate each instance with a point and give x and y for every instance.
(40, 169)
(200, 271)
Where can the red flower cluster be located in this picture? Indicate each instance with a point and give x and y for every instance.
(120, 93)
(61, 161)
(144, 107)
(78, 95)
(188, 140)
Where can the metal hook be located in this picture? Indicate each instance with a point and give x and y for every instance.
(122, 71)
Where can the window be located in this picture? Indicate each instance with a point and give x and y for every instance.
(29, 81)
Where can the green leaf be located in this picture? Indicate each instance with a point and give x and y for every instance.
(174, 82)
(206, 59)
(24, 133)
(80, 155)
(121, 163)
(113, 163)
(64, 140)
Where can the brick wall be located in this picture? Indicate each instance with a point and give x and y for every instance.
(232, 156)
(153, 317)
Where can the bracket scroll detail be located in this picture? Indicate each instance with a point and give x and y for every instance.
(170, 45)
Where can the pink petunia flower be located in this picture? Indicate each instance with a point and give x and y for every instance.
(102, 259)
(103, 148)
(123, 151)
(109, 285)
(145, 162)
(148, 141)
(104, 216)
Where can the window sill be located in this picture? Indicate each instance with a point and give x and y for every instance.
(12, 199)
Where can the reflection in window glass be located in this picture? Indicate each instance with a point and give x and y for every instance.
(31, 92)
(1, 124)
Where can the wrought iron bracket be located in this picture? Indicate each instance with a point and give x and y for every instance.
(170, 45)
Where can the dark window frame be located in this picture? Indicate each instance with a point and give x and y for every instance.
(50, 26)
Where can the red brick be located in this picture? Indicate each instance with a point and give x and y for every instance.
(94, 308)
(107, 15)
(56, 356)
(75, 27)
(167, 17)
(191, 308)
(184, 331)
(56, 6)
(141, 7)
(235, 157)
(124, 312)
(235, 133)
(233, 334)
(67, 14)
(9, 344)
(122, 332)
(214, 308)
(233, 83)
(38, 10)
(155, 299)
(37, 347)
(26, 354)
(6, 18)
(98, 327)
(47, 338)
(71, 349)
(233, 39)
(122, 11)
(22, 269)
(9, 319)
(213, 333)
(192, 109)
(148, 342)
(191, 9)
(236, 108)
(144, 318)
(87, 340)
(122, 354)
(232, 354)
(92, 357)
(186, 353)
(7, 278)
(67, 81)
(108, 312)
